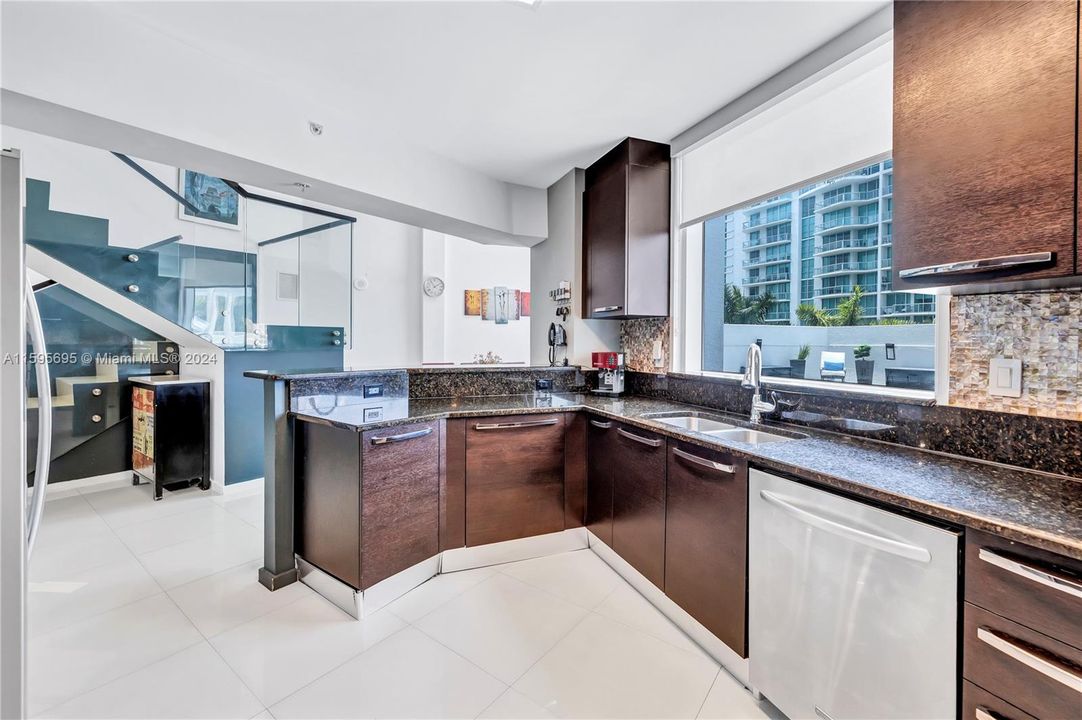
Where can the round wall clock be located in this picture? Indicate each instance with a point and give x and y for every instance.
(433, 286)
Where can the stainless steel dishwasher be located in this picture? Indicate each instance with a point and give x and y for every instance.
(853, 610)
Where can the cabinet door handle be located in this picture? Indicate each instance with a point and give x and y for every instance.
(600, 424)
(980, 265)
(1050, 667)
(401, 438)
(652, 442)
(720, 467)
(1044, 577)
(608, 308)
(514, 425)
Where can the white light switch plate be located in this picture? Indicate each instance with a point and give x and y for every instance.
(658, 355)
(1005, 377)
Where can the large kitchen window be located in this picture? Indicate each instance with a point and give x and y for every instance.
(790, 237)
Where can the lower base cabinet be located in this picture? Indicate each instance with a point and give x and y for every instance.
(514, 477)
(599, 477)
(638, 500)
(706, 533)
(367, 503)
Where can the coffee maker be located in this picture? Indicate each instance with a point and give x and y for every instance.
(610, 367)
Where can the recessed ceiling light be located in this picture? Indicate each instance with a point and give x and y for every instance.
(528, 3)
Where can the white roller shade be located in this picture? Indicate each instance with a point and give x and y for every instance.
(841, 119)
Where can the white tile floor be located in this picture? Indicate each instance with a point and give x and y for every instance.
(152, 610)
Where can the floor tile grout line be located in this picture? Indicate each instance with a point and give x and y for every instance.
(215, 650)
(450, 649)
(379, 642)
(708, 691)
(552, 647)
(439, 605)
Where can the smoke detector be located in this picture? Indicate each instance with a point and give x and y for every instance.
(315, 128)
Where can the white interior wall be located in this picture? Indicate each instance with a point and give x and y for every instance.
(473, 266)
(560, 258)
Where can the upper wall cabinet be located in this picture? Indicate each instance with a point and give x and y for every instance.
(625, 235)
(985, 108)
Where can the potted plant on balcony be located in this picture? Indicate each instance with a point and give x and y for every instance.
(864, 365)
(798, 365)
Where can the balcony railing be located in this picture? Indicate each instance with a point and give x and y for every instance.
(852, 196)
(768, 278)
(763, 221)
(909, 308)
(763, 242)
(846, 244)
(833, 290)
(847, 222)
(847, 267)
(767, 260)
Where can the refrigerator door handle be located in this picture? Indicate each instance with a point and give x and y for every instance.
(45, 419)
(894, 547)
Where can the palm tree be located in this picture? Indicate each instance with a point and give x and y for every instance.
(741, 310)
(848, 312)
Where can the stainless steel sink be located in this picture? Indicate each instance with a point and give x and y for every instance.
(696, 423)
(754, 437)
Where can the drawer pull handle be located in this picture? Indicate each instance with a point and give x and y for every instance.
(386, 439)
(985, 714)
(1044, 577)
(652, 442)
(1049, 667)
(894, 547)
(600, 424)
(607, 308)
(514, 425)
(981, 265)
(728, 469)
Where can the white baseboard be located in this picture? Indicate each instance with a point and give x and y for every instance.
(467, 558)
(715, 648)
(394, 587)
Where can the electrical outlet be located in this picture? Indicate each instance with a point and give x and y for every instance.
(659, 357)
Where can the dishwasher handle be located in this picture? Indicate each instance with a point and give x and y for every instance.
(894, 547)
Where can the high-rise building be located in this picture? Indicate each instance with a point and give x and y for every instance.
(814, 245)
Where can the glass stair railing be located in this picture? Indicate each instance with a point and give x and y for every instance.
(91, 351)
(269, 274)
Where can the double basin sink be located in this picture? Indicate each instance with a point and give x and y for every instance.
(721, 429)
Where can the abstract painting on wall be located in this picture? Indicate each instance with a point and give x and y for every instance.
(499, 304)
(501, 298)
(208, 200)
(473, 302)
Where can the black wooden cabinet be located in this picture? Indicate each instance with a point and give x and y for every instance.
(599, 478)
(985, 109)
(625, 235)
(706, 539)
(638, 501)
(170, 432)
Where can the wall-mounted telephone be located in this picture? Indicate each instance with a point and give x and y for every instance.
(557, 338)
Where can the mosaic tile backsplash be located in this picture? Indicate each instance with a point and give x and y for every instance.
(637, 343)
(1043, 329)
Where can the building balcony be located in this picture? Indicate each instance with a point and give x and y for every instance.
(767, 242)
(835, 246)
(777, 296)
(763, 222)
(749, 263)
(916, 308)
(847, 198)
(844, 268)
(767, 279)
(888, 238)
(852, 222)
(777, 315)
(833, 291)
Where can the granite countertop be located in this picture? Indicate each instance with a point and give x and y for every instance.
(362, 372)
(1035, 508)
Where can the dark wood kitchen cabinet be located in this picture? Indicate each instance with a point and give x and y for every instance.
(367, 504)
(400, 499)
(625, 235)
(514, 477)
(706, 539)
(985, 109)
(638, 500)
(1022, 631)
(599, 478)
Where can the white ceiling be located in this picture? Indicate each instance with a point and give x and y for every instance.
(519, 93)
